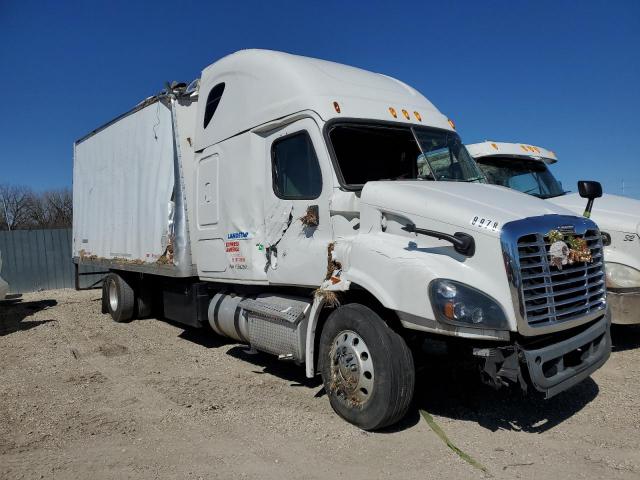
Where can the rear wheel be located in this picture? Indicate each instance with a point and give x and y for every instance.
(120, 297)
(366, 367)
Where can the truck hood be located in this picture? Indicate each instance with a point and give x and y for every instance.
(611, 212)
(458, 203)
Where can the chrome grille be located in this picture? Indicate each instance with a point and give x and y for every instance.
(550, 295)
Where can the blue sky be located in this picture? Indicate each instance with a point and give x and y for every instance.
(564, 75)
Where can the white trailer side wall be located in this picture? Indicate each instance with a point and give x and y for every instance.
(122, 186)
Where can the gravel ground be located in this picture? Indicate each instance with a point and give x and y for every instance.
(83, 397)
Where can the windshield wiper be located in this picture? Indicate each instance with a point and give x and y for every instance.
(556, 195)
(402, 176)
(474, 179)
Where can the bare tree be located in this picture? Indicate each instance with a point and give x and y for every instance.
(59, 205)
(38, 212)
(21, 208)
(15, 202)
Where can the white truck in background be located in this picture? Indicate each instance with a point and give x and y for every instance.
(332, 217)
(524, 167)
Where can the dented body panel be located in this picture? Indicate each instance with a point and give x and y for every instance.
(411, 261)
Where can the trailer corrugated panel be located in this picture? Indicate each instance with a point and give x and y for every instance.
(123, 181)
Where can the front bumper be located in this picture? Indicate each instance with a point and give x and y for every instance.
(554, 367)
(559, 366)
(625, 307)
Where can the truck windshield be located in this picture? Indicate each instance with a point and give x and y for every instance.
(368, 152)
(528, 176)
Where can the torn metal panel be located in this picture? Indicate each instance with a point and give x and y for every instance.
(180, 254)
(277, 226)
(277, 222)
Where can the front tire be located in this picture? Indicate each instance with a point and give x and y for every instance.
(366, 367)
(120, 297)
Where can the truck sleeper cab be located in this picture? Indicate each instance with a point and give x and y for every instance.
(332, 217)
(525, 168)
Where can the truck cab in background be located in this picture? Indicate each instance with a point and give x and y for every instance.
(332, 217)
(526, 168)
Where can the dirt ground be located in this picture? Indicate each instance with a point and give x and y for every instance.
(84, 397)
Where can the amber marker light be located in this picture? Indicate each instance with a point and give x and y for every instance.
(417, 115)
(494, 146)
(523, 148)
(393, 112)
(449, 310)
(452, 123)
(336, 106)
(406, 114)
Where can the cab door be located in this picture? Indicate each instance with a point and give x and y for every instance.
(297, 224)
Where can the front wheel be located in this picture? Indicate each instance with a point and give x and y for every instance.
(366, 367)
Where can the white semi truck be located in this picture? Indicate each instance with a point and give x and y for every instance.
(525, 168)
(332, 217)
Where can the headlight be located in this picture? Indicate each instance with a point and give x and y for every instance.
(621, 276)
(459, 304)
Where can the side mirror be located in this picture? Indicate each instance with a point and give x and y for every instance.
(589, 190)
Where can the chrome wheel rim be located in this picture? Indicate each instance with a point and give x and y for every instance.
(113, 296)
(352, 373)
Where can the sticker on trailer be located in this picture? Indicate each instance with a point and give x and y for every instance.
(485, 223)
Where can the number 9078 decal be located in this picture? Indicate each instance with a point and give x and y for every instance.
(485, 223)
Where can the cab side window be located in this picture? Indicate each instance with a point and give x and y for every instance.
(213, 99)
(295, 168)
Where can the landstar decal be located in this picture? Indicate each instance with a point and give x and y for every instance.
(238, 236)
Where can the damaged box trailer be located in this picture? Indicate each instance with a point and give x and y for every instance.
(332, 217)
